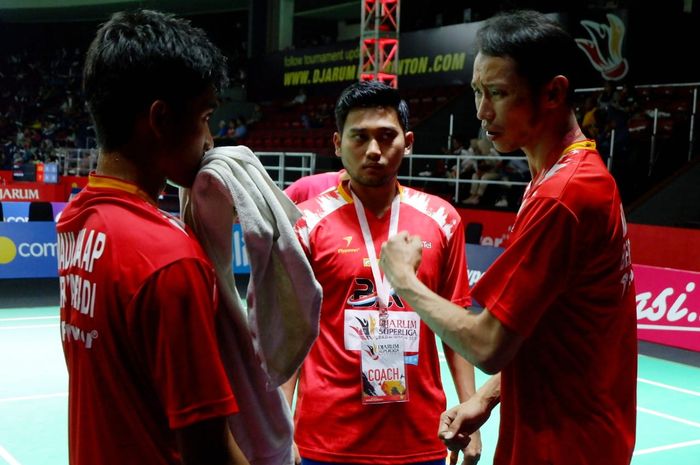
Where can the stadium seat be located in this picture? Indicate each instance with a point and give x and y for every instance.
(40, 211)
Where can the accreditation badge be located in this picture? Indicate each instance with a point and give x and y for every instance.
(383, 371)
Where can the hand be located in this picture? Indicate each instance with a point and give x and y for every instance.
(459, 427)
(295, 453)
(400, 257)
(471, 453)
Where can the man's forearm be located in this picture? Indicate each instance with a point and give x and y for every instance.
(490, 391)
(474, 337)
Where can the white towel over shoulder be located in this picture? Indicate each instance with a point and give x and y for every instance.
(264, 346)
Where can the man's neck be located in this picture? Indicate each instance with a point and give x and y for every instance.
(376, 199)
(549, 148)
(116, 165)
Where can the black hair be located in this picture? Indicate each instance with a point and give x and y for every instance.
(368, 94)
(539, 45)
(141, 56)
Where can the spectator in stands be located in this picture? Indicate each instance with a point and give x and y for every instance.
(256, 115)
(152, 387)
(466, 166)
(487, 170)
(241, 130)
(590, 122)
(299, 99)
(559, 322)
(607, 96)
(516, 170)
(626, 100)
(222, 131)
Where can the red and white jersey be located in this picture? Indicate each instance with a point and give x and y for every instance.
(310, 186)
(138, 299)
(332, 423)
(565, 283)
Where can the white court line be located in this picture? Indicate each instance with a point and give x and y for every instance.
(24, 318)
(7, 457)
(52, 325)
(669, 387)
(668, 328)
(669, 417)
(668, 447)
(36, 397)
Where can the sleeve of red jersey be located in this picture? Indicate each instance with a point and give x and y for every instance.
(455, 282)
(535, 267)
(178, 341)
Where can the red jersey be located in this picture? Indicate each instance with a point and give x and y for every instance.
(138, 300)
(308, 187)
(565, 283)
(331, 421)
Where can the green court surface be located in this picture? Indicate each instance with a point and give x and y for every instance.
(33, 399)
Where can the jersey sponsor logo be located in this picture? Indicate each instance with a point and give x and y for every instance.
(365, 295)
(347, 248)
(71, 333)
(362, 320)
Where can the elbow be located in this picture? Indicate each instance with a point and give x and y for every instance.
(489, 366)
(492, 361)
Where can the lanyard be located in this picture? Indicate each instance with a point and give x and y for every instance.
(382, 284)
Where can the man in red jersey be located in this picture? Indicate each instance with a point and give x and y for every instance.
(308, 187)
(559, 322)
(138, 294)
(370, 390)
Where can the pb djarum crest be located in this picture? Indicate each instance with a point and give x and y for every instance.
(604, 47)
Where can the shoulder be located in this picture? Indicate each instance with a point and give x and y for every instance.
(580, 182)
(435, 209)
(318, 210)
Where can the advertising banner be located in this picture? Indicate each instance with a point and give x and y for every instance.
(668, 306)
(18, 212)
(28, 250)
(428, 58)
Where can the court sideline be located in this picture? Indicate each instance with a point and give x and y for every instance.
(33, 389)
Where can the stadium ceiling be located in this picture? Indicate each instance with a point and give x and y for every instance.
(40, 11)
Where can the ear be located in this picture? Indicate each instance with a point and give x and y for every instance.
(336, 143)
(158, 114)
(554, 93)
(408, 137)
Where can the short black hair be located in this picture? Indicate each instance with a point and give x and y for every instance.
(368, 94)
(539, 45)
(141, 56)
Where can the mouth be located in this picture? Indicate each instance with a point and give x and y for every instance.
(491, 135)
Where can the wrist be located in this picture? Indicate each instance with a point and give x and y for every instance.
(405, 280)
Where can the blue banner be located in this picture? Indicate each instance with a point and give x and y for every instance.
(479, 259)
(240, 257)
(18, 212)
(28, 250)
(15, 212)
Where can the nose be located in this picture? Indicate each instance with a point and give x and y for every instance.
(373, 150)
(484, 109)
(208, 141)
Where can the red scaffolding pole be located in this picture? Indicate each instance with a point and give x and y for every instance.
(379, 41)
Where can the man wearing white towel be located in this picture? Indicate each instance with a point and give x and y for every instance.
(138, 293)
